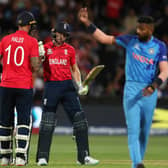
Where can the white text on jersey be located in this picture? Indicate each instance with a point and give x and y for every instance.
(17, 39)
(58, 61)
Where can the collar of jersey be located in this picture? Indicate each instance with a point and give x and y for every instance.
(147, 42)
(60, 45)
(21, 31)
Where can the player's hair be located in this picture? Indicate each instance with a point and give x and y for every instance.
(146, 19)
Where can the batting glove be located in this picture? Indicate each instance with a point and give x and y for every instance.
(41, 49)
(82, 90)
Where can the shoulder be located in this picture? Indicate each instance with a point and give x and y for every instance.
(125, 40)
(48, 44)
(69, 47)
(127, 36)
(32, 39)
(162, 48)
(159, 42)
(6, 37)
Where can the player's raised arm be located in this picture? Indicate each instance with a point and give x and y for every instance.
(96, 32)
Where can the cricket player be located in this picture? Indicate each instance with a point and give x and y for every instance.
(146, 69)
(20, 57)
(59, 67)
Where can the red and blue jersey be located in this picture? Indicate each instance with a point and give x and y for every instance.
(16, 50)
(142, 58)
(58, 61)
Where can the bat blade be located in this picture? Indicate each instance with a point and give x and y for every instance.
(92, 74)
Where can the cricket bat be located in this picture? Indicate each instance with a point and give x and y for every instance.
(92, 74)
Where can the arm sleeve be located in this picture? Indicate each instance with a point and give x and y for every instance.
(163, 52)
(123, 40)
(34, 48)
(72, 57)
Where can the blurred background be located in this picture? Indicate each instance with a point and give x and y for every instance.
(103, 104)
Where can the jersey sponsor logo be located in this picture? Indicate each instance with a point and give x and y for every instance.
(57, 61)
(49, 51)
(17, 39)
(143, 59)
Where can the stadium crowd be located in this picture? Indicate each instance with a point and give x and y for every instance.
(112, 16)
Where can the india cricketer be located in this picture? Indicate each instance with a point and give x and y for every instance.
(146, 68)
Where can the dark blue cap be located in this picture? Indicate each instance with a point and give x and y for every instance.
(25, 18)
(62, 27)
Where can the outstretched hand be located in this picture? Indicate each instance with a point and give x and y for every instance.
(83, 16)
(41, 48)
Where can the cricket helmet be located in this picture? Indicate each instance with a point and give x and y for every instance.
(25, 18)
(63, 28)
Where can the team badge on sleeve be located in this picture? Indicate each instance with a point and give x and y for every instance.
(164, 57)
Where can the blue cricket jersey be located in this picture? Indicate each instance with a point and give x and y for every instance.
(142, 58)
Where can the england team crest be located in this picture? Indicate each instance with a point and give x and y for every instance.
(66, 52)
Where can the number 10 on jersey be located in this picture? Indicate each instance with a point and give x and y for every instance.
(15, 55)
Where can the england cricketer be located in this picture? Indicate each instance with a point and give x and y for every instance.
(59, 66)
(20, 57)
(146, 69)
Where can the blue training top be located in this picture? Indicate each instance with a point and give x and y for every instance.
(142, 58)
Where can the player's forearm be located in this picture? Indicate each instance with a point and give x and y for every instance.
(76, 73)
(163, 66)
(76, 76)
(35, 64)
(98, 34)
(103, 38)
(163, 76)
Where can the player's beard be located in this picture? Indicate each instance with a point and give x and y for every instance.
(143, 38)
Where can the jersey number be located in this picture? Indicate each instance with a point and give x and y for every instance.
(15, 55)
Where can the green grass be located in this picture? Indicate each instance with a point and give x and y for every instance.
(112, 151)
